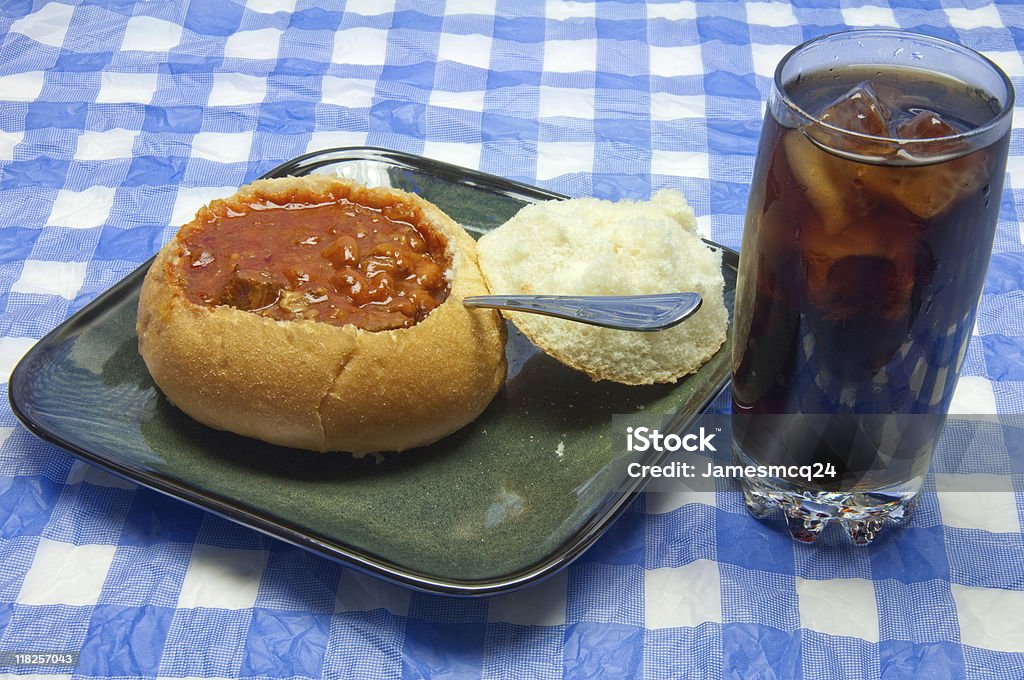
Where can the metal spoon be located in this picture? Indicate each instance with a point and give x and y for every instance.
(623, 312)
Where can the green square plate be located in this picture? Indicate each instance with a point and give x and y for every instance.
(509, 499)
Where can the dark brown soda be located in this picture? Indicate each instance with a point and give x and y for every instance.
(859, 279)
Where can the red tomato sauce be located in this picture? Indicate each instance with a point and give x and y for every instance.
(336, 262)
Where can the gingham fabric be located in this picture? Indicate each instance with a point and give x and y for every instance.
(119, 118)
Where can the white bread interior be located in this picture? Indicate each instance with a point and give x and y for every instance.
(588, 246)
(312, 385)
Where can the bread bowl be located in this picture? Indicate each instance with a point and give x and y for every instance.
(587, 246)
(258, 350)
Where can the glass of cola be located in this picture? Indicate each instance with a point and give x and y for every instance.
(870, 222)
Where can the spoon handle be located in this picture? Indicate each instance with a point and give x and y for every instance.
(622, 312)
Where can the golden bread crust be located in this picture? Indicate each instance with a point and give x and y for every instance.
(312, 385)
(624, 376)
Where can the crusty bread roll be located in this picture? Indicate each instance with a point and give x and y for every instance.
(593, 247)
(309, 384)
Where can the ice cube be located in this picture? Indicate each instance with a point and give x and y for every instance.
(927, 190)
(859, 111)
(866, 285)
(831, 184)
(925, 125)
(930, 191)
(867, 270)
(928, 136)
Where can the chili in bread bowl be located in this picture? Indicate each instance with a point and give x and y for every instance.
(321, 314)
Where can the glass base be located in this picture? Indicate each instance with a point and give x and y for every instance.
(861, 512)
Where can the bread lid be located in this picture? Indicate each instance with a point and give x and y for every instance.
(589, 246)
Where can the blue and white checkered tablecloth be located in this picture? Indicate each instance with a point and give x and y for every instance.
(118, 118)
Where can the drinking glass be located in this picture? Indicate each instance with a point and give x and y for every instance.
(869, 227)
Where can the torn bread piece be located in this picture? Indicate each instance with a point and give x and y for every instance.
(587, 246)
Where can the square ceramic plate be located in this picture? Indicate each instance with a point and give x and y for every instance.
(511, 498)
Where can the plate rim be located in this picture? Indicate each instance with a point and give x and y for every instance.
(568, 551)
